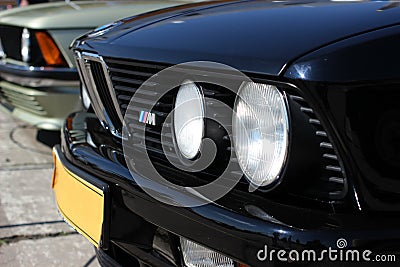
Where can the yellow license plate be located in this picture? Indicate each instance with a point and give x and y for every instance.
(80, 202)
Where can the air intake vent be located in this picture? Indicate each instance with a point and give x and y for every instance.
(21, 99)
(333, 179)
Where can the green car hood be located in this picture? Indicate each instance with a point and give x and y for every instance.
(82, 14)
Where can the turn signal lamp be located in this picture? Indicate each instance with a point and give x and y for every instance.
(50, 52)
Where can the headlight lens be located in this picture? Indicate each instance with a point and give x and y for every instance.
(188, 119)
(196, 255)
(260, 129)
(85, 97)
(25, 45)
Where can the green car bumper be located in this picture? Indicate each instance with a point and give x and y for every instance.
(39, 96)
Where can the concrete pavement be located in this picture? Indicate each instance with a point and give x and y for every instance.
(32, 233)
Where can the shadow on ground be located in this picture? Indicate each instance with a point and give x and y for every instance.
(48, 138)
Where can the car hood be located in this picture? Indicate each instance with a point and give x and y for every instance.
(82, 14)
(253, 36)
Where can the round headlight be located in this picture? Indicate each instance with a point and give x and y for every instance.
(25, 45)
(188, 119)
(85, 97)
(260, 130)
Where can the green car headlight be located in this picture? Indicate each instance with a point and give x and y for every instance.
(25, 45)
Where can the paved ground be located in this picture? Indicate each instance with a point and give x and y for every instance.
(32, 233)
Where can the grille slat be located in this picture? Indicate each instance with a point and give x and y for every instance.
(333, 168)
(30, 109)
(130, 72)
(321, 133)
(315, 121)
(130, 81)
(34, 105)
(330, 156)
(139, 100)
(132, 91)
(151, 131)
(124, 64)
(336, 180)
(158, 152)
(326, 145)
(156, 140)
(14, 94)
(22, 101)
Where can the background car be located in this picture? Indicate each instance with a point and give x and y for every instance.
(8, 4)
(39, 82)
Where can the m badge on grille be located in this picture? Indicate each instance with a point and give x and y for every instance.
(147, 117)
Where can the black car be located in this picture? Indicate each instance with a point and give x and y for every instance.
(299, 102)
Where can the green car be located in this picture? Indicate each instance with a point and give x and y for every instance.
(39, 81)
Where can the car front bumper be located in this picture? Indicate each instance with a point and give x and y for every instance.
(135, 218)
(42, 97)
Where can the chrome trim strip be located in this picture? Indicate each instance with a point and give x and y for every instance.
(7, 64)
(111, 90)
(37, 82)
(86, 76)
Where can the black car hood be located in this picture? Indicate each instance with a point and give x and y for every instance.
(253, 36)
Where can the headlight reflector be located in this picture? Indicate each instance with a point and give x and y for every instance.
(260, 130)
(25, 45)
(188, 119)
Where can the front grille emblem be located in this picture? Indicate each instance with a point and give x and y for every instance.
(147, 117)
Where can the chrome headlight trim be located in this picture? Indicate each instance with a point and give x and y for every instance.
(25, 45)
